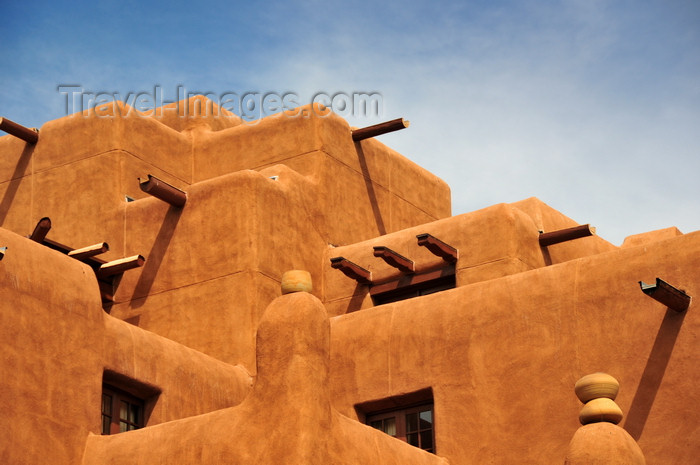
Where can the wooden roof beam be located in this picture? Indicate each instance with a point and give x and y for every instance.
(89, 251)
(394, 259)
(352, 270)
(379, 129)
(438, 247)
(567, 234)
(120, 266)
(668, 295)
(163, 191)
(26, 134)
(41, 229)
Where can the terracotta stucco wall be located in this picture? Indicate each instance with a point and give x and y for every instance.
(56, 342)
(502, 356)
(237, 373)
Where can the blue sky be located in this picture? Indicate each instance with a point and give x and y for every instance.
(591, 105)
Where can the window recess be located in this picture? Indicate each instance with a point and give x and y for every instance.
(413, 285)
(410, 418)
(126, 403)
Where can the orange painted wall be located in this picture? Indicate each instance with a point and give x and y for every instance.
(202, 326)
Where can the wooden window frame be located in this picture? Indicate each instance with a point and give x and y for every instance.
(416, 437)
(399, 407)
(113, 421)
(139, 398)
(414, 285)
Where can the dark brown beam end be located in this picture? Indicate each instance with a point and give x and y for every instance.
(568, 234)
(89, 251)
(41, 229)
(394, 259)
(379, 129)
(120, 266)
(438, 247)
(668, 295)
(352, 270)
(17, 130)
(163, 191)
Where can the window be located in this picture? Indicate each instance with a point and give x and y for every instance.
(412, 425)
(120, 411)
(126, 403)
(409, 417)
(413, 285)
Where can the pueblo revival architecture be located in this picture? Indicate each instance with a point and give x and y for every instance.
(184, 288)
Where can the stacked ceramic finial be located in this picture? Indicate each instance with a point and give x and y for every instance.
(598, 391)
(600, 441)
(296, 281)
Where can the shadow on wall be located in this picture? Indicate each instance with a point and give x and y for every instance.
(370, 189)
(653, 372)
(356, 300)
(155, 257)
(15, 181)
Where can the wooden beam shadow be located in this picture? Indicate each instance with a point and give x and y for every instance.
(19, 175)
(653, 373)
(155, 257)
(370, 189)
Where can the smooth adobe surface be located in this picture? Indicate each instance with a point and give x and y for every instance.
(224, 245)
(302, 428)
(503, 354)
(58, 343)
(492, 242)
(50, 344)
(233, 372)
(604, 444)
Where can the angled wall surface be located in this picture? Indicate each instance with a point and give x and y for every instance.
(490, 324)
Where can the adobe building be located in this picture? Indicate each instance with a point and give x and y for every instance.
(150, 312)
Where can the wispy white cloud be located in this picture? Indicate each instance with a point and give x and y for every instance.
(593, 106)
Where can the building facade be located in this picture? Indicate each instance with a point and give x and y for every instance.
(143, 319)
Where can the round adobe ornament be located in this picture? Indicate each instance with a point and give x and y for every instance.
(600, 410)
(296, 281)
(596, 385)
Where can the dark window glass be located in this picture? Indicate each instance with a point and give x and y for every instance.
(426, 419)
(426, 440)
(407, 292)
(411, 422)
(106, 413)
(386, 425)
(130, 410)
(413, 425)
